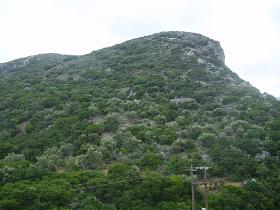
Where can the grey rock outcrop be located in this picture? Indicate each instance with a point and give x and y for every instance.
(197, 44)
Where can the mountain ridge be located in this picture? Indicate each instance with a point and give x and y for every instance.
(55, 59)
(208, 44)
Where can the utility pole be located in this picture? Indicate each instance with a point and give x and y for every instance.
(205, 186)
(204, 168)
(192, 183)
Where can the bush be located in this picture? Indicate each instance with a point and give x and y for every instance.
(182, 145)
(207, 139)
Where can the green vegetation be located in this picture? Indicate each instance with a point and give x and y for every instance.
(115, 129)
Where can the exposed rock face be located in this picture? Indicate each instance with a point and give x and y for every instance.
(193, 44)
(198, 44)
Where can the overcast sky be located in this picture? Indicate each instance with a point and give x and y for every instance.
(248, 30)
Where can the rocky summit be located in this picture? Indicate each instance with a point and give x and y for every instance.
(119, 128)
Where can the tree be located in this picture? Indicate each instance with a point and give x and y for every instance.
(45, 164)
(111, 123)
(207, 139)
(91, 160)
(12, 157)
(127, 142)
(182, 145)
(151, 160)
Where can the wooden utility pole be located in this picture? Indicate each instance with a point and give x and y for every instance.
(192, 183)
(205, 186)
(205, 183)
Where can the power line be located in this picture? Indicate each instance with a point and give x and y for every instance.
(84, 186)
(111, 183)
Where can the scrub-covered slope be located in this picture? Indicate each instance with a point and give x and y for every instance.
(157, 103)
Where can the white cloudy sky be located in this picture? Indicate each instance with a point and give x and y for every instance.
(248, 30)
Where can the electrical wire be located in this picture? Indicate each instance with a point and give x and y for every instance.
(84, 186)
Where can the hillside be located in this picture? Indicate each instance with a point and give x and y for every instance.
(75, 129)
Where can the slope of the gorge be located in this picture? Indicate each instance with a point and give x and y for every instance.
(156, 103)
